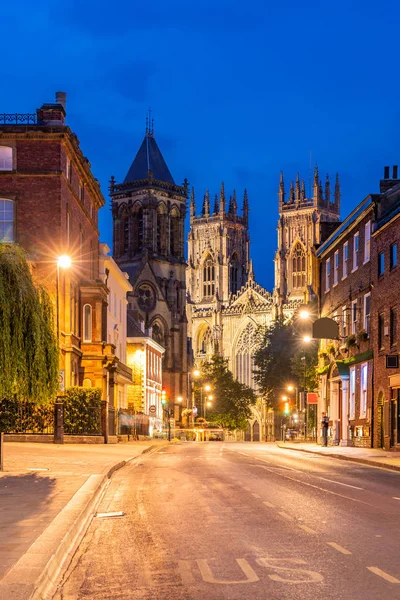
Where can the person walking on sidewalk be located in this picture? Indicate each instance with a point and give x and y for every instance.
(325, 425)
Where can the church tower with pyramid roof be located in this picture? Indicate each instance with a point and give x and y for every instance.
(149, 210)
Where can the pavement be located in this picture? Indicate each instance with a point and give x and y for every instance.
(48, 494)
(368, 456)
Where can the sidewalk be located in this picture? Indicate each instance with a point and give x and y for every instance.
(367, 456)
(47, 492)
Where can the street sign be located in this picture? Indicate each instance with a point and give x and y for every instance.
(312, 398)
(153, 409)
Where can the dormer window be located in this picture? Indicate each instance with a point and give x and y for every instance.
(6, 158)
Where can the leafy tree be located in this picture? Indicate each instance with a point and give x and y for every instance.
(232, 400)
(28, 344)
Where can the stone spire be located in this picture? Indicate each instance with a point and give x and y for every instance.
(303, 191)
(327, 191)
(281, 190)
(216, 205)
(291, 192)
(233, 204)
(245, 210)
(337, 193)
(222, 201)
(192, 206)
(206, 204)
(316, 186)
(297, 192)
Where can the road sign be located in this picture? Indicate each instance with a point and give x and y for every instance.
(153, 409)
(312, 398)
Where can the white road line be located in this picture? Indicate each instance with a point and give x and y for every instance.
(286, 516)
(307, 529)
(315, 486)
(383, 575)
(269, 505)
(339, 548)
(395, 498)
(340, 483)
(256, 495)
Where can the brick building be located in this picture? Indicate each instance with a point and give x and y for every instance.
(385, 313)
(345, 365)
(49, 202)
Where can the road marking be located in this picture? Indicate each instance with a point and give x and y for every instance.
(286, 516)
(208, 577)
(340, 483)
(269, 505)
(315, 486)
(307, 529)
(395, 498)
(256, 496)
(384, 575)
(110, 514)
(339, 548)
(37, 469)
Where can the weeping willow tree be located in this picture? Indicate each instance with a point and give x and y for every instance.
(28, 344)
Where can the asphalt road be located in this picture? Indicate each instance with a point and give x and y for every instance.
(249, 521)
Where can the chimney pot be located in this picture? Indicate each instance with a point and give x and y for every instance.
(395, 172)
(386, 173)
(61, 98)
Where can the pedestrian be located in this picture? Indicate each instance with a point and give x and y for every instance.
(325, 425)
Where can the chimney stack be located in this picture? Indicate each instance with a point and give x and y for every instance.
(395, 170)
(61, 98)
(53, 115)
(386, 173)
(386, 183)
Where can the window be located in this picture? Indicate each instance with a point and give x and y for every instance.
(363, 390)
(344, 321)
(87, 323)
(381, 331)
(68, 170)
(6, 158)
(299, 267)
(393, 255)
(381, 263)
(355, 250)
(393, 327)
(367, 311)
(234, 269)
(367, 242)
(336, 267)
(208, 278)
(68, 227)
(81, 192)
(327, 273)
(354, 317)
(80, 243)
(352, 392)
(244, 352)
(6, 220)
(345, 258)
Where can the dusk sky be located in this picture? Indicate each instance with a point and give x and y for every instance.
(239, 91)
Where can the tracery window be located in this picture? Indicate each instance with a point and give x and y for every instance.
(175, 234)
(208, 278)
(245, 349)
(206, 346)
(233, 280)
(298, 267)
(161, 229)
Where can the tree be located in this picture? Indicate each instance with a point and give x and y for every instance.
(232, 400)
(28, 345)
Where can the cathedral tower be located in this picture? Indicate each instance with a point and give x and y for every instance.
(218, 248)
(149, 211)
(303, 224)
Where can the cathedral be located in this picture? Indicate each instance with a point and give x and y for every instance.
(212, 299)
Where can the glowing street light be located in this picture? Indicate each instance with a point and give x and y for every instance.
(63, 262)
(307, 339)
(196, 373)
(304, 314)
(179, 399)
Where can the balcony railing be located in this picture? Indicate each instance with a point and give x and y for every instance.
(17, 119)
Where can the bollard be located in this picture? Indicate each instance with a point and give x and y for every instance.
(58, 423)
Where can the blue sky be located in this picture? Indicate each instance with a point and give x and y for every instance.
(238, 90)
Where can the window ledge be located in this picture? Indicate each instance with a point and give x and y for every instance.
(335, 284)
(345, 277)
(354, 270)
(366, 261)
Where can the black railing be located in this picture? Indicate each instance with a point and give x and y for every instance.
(17, 119)
(82, 423)
(26, 417)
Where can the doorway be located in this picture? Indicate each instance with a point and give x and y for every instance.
(256, 432)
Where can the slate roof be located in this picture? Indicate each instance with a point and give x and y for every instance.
(149, 158)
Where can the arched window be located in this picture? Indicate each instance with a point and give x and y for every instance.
(298, 267)
(233, 279)
(6, 158)
(208, 278)
(175, 234)
(206, 345)
(126, 234)
(87, 323)
(6, 220)
(158, 334)
(245, 349)
(136, 230)
(161, 229)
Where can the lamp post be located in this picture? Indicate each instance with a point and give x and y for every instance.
(207, 405)
(166, 412)
(63, 262)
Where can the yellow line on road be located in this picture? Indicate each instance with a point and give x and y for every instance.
(384, 575)
(286, 516)
(339, 548)
(307, 529)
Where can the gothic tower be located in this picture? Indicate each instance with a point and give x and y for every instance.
(218, 248)
(303, 224)
(149, 211)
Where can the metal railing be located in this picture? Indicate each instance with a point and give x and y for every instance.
(26, 417)
(18, 119)
(82, 423)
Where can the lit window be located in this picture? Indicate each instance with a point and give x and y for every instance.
(393, 255)
(352, 407)
(6, 156)
(364, 389)
(345, 258)
(6, 220)
(68, 170)
(327, 273)
(208, 278)
(367, 242)
(299, 267)
(381, 263)
(355, 251)
(87, 323)
(367, 311)
(336, 268)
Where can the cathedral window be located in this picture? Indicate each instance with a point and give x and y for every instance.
(234, 275)
(175, 237)
(245, 349)
(298, 267)
(126, 235)
(206, 346)
(208, 278)
(135, 231)
(161, 228)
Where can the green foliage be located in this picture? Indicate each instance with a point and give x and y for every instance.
(28, 344)
(26, 417)
(232, 400)
(278, 362)
(82, 411)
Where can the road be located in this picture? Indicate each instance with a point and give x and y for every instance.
(221, 521)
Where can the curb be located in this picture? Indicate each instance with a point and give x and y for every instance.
(37, 573)
(363, 461)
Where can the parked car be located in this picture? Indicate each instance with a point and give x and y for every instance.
(214, 437)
